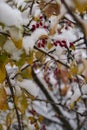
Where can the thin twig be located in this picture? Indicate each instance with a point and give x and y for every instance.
(5, 34)
(12, 94)
(31, 7)
(47, 54)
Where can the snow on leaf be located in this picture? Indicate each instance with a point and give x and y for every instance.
(9, 16)
(11, 49)
(21, 103)
(16, 36)
(29, 86)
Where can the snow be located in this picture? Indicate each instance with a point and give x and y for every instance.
(9, 16)
(10, 48)
(30, 86)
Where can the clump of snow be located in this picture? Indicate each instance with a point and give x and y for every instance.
(15, 33)
(36, 10)
(30, 86)
(10, 48)
(9, 16)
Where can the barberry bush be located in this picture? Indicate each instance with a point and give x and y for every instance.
(43, 57)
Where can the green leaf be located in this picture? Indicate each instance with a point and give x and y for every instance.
(3, 58)
(3, 39)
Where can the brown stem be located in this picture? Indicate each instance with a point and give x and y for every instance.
(31, 7)
(12, 94)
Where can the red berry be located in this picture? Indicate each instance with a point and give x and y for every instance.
(39, 44)
(45, 26)
(58, 42)
(33, 27)
(42, 45)
(55, 44)
(43, 41)
(41, 17)
(37, 25)
(71, 44)
(41, 24)
(63, 41)
(66, 28)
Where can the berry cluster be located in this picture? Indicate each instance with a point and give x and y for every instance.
(41, 43)
(39, 24)
(61, 43)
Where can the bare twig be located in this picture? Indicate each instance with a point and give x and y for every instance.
(12, 94)
(31, 7)
(51, 57)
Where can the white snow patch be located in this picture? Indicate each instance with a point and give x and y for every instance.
(9, 16)
(30, 86)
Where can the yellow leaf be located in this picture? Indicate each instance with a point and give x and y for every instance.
(36, 126)
(18, 43)
(80, 5)
(43, 37)
(3, 99)
(32, 119)
(27, 73)
(2, 73)
(73, 68)
(1, 127)
(72, 105)
(40, 118)
(30, 57)
(9, 118)
(49, 46)
(53, 29)
(39, 56)
(21, 103)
